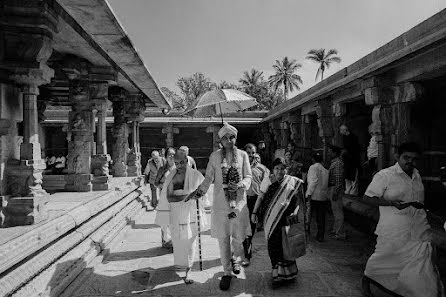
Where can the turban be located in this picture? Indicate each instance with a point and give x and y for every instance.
(227, 129)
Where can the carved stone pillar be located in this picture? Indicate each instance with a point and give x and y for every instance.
(284, 133)
(391, 116)
(81, 125)
(276, 127)
(295, 126)
(134, 112)
(120, 132)
(339, 111)
(170, 131)
(215, 139)
(26, 45)
(101, 159)
(325, 124)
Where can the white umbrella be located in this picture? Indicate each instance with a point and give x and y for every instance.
(220, 101)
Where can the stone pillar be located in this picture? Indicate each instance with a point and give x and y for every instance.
(215, 139)
(26, 38)
(294, 120)
(170, 131)
(134, 157)
(134, 112)
(100, 160)
(120, 132)
(284, 133)
(325, 124)
(81, 125)
(276, 127)
(391, 116)
(339, 111)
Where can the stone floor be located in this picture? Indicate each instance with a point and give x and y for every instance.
(135, 265)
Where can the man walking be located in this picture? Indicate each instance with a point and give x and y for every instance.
(336, 182)
(402, 261)
(259, 184)
(153, 165)
(230, 171)
(317, 193)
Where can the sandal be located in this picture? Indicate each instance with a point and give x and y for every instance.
(225, 282)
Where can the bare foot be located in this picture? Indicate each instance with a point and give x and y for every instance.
(187, 279)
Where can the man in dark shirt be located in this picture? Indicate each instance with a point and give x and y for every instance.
(336, 183)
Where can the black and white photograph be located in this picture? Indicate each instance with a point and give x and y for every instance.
(222, 148)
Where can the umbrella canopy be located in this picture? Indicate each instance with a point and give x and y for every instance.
(221, 101)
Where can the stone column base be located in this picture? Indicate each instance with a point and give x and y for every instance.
(79, 182)
(101, 177)
(101, 183)
(134, 164)
(24, 178)
(119, 169)
(21, 211)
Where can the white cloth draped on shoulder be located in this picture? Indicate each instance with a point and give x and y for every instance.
(181, 217)
(193, 179)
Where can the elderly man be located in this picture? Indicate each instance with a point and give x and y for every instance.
(259, 184)
(153, 166)
(402, 261)
(230, 171)
(190, 160)
(180, 213)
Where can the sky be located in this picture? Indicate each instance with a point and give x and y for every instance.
(224, 38)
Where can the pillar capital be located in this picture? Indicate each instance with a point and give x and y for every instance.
(27, 39)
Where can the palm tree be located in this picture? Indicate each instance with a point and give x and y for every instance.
(285, 76)
(324, 60)
(251, 81)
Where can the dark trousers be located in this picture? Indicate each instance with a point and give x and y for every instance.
(319, 209)
(247, 244)
(154, 201)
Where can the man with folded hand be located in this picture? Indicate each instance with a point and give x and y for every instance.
(229, 224)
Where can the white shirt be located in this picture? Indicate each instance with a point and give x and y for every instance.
(317, 180)
(372, 149)
(394, 184)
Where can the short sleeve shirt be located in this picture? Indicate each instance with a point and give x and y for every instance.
(394, 184)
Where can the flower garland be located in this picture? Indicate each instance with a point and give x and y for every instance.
(230, 174)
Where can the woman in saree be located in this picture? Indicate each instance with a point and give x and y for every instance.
(277, 209)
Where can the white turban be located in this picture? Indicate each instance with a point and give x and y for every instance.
(227, 129)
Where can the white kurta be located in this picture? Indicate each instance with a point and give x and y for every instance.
(402, 261)
(221, 225)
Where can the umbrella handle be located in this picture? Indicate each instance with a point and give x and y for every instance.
(221, 113)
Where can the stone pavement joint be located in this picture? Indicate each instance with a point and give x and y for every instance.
(134, 264)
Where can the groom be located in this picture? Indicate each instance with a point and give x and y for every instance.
(230, 225)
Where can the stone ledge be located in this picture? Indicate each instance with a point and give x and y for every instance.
(15, 278)
(23, 246)
(56, 278)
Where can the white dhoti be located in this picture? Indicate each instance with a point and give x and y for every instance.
(181, 217)
(402, 261)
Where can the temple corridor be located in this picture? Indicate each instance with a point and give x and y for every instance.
(135, 264)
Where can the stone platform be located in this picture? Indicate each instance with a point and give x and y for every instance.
(78, 223)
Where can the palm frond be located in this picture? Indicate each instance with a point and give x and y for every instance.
(331, 52)
(333, 59)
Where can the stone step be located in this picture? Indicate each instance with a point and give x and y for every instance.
(47, 242)
(55, 279)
